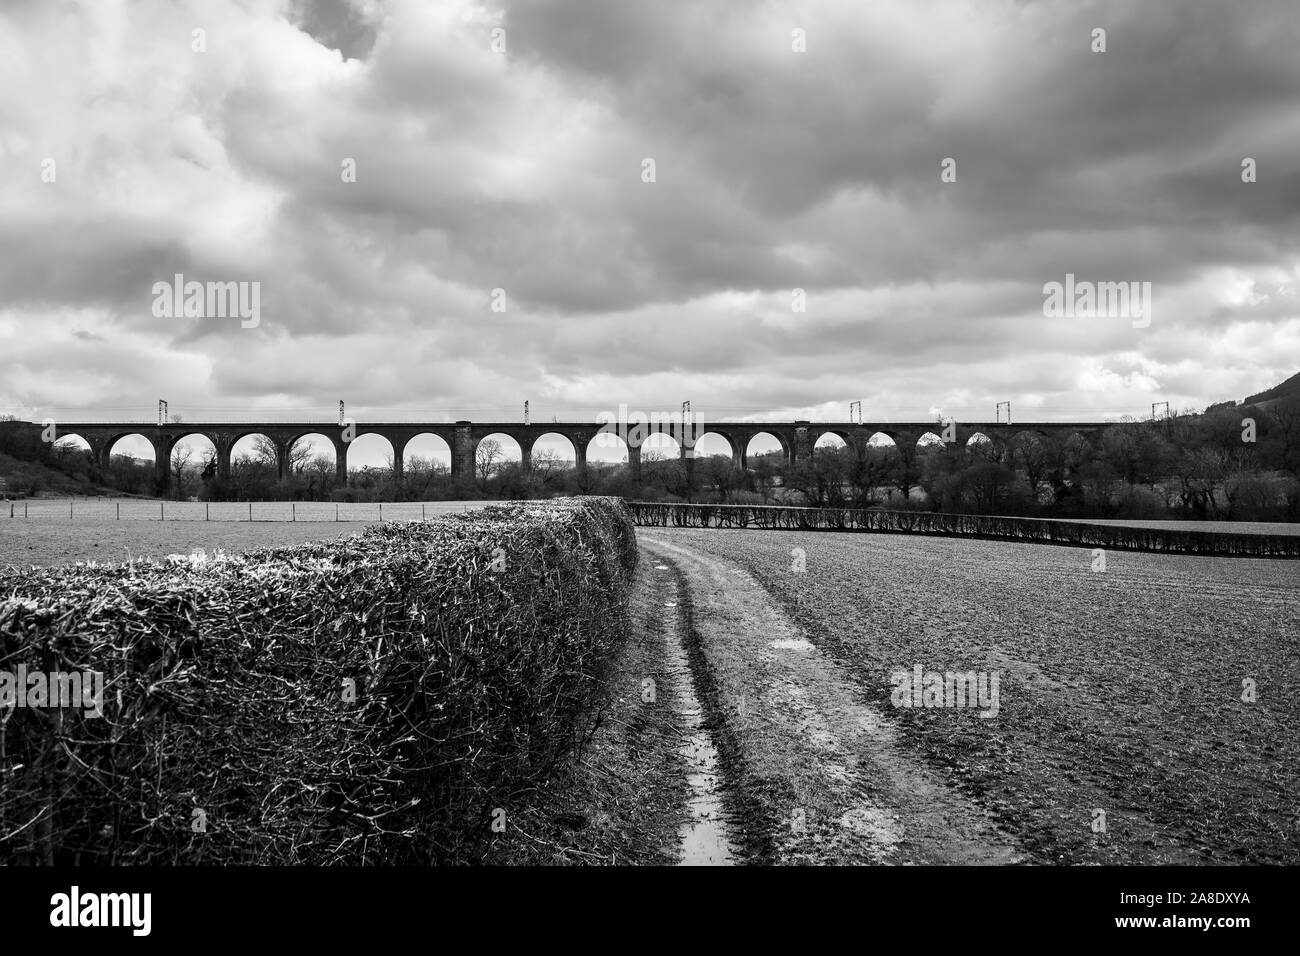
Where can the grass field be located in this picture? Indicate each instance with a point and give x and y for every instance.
(48, 536)
(145, 509)
(1120, 692)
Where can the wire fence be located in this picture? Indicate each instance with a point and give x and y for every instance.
(135, 509)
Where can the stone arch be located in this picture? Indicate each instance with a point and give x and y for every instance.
(309, 448)
(192, 459)
(74, 442)
(144, 443)
(992, 445)
(72, 439)
(426, 446)
(773, 437)
(374, 450)
(187, 438)
(241, 451)
(831, 438)
(1090, 438)
(247, 439)
(78, 450)
(712, 444)
(610, 447)
(484, 465)
(1084, 446)
(660, 444)
(561, 446)
(657, 435)
(135, 445)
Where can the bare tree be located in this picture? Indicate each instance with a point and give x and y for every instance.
(1031, 453)
(182, 454)
(264, 451)
(1286, 415)
(487, 458)
(267, 453)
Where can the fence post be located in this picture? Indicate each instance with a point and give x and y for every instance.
(294, 507)
(336, 511)
(69, 509)
(381, 511)
(206, 515)
(162, 515)
(119, 511)
(422, 517)
(250, 512)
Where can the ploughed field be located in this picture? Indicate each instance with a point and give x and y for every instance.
(1217, 527)
(1121, 733)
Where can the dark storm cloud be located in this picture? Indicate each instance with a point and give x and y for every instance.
(775, 170)
(339, 24)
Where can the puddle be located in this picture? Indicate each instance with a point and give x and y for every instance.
(792, 644)
(705, 837)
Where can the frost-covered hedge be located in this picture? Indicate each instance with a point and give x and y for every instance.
(365, 700)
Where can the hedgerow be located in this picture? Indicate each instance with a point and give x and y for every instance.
(992, 527)
(377, 699)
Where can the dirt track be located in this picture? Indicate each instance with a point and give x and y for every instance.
(816, 771)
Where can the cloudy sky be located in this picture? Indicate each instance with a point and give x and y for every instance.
(503, 146)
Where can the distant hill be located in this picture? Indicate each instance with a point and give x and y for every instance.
(20, 478)
(1288, 389)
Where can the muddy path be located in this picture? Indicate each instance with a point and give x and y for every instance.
(706, 837)
(813, 774)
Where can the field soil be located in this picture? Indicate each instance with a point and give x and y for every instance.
(818, 773)
(1122, 735)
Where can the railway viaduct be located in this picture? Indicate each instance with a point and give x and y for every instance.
(796, 438)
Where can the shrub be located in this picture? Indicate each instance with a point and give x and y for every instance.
(226, 679)
(1135, 501)
(994, 527)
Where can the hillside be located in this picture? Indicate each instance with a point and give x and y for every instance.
(27, 479)
(1288, 389)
